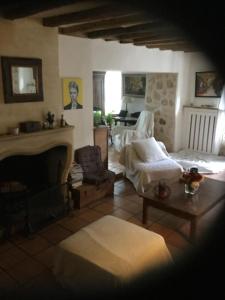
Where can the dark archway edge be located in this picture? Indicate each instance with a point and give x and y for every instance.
(201, 272)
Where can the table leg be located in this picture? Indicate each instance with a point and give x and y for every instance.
(193, 229)
(144, 213)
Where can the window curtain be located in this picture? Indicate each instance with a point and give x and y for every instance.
(99, 91)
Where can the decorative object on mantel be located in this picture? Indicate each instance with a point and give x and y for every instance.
(50, 119)
(14, 130)
(191, 179)
(62, 121)
(30, 126)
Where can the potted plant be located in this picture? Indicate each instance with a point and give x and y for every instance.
(97, 118)
(109, 119)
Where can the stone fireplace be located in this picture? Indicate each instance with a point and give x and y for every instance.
(36, 165)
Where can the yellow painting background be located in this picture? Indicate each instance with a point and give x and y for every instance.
(66, 94)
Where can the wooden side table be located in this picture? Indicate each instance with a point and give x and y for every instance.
(179, 204)
(101, 139)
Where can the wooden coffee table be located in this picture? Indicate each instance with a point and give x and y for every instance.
(210, 193)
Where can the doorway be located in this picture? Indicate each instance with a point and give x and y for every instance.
(107, 98)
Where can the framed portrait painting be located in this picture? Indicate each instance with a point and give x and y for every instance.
(134, 85)
(72, 93)
(208, 84)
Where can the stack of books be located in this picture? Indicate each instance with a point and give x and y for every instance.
(76, 174)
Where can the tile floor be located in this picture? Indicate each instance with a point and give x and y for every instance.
(26, 264)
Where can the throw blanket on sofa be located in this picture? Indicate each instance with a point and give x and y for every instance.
(144, 175)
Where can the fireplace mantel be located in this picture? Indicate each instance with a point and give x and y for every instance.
(38, 142)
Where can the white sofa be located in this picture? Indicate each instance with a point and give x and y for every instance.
(144, 175)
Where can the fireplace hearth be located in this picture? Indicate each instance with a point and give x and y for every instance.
(33, 176)
(31, 191)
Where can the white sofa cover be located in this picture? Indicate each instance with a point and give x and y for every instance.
(144, 175)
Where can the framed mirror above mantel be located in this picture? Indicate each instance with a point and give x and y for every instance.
(22, 79)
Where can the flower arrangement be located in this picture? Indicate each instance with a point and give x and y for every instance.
(192, 180)
(162, 190)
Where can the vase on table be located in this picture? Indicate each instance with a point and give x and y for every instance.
(191, 188)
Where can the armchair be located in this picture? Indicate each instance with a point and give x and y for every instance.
(147, 162)
(97, 181)
(94, 171)
(123, 135)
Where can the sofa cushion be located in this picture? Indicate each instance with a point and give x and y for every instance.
(149, 150)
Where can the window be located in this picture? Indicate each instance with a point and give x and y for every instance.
(113, 92)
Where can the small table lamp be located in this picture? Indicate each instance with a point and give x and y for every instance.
(126, 100)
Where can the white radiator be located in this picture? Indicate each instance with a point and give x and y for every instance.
(200, 129)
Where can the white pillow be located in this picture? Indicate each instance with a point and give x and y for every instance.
(163, 147)
(148, 150)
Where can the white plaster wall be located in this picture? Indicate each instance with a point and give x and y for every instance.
(199, 63)
(130, 58)
(75, 60)
(193, 62)
(28, 38)
(80, 57)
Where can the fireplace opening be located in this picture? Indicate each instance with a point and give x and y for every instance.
(31, 189)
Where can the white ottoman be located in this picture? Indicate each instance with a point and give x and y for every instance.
(107, 253)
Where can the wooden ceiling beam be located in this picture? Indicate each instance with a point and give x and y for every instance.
(26, 8)
(149, 37)
(163, 35)
(99, 13)
(175, 43)
(131, 39)
(148, 27)
(184, 47)
(125, 41)
(157, 41)
(107, 24)
(147, 34)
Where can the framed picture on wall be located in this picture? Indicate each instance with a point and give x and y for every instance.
(134, 85)
(22, 79)
(72, 93)
(208, 84)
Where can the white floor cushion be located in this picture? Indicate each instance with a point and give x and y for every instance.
(107, 253)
